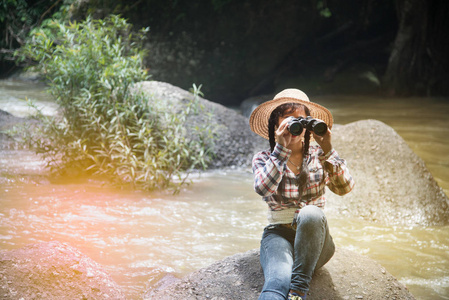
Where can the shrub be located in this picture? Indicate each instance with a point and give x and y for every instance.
(105, 127)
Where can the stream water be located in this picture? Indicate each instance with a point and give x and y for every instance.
(139, 237)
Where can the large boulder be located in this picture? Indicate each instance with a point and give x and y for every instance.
(393, 185)
(347, 276)
(235, 143)
(53, 270)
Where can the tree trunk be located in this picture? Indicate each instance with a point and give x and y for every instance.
(419, 60)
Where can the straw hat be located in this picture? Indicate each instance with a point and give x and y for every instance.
(259, 117)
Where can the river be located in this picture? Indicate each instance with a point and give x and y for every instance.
(139, 237)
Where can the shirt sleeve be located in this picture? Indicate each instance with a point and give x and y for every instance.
(338, 179)
(268, 169)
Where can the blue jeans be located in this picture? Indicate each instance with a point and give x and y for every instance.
(290, 257)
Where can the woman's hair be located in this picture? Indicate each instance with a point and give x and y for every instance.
(281, 111)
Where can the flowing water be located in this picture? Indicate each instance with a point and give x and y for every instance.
(139, 236)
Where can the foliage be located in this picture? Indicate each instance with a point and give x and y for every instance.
(323, 9)
(19, 17)
(219, 4)
(106, 127)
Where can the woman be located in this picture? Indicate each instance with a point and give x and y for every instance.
(291, 177)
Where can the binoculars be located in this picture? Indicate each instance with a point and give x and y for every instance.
(297, 125)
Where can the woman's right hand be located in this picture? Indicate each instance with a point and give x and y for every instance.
(283, 136)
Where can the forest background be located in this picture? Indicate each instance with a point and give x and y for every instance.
(240, 49)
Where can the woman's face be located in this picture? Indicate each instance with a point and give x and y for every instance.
(299, 112)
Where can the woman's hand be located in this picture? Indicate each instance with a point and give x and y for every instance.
(324, 141)
(283, 136)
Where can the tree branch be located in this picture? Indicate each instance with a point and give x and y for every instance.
(47, 11)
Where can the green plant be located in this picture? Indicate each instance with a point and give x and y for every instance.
(19, 17)
(106, 127)
(323, 9)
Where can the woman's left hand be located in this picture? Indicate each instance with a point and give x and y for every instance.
(324, 141)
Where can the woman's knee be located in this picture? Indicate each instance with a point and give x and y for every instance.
(311, 215)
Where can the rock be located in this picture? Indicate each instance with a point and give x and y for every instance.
(248, 105)
(53, 270)
(347, 276)
(7, 123)
(7, 120)
(235, 143)
(393, 185)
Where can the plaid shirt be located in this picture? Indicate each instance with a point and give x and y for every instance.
(270, 170)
